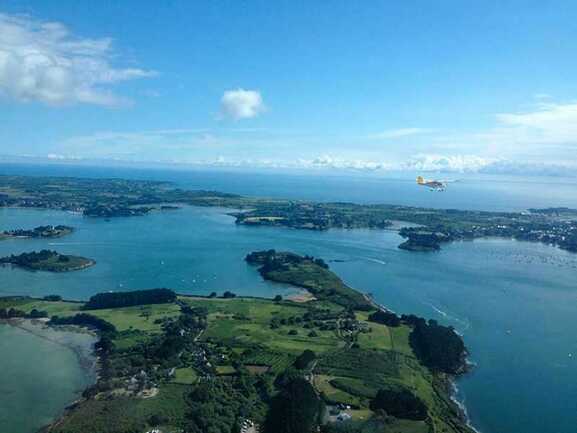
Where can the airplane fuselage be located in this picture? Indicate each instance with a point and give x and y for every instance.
(432, 184)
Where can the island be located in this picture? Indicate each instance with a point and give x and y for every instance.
(228, 363)
(47, 260)
(41, 232)
(422, 240)
(110, 211)
(427, 228)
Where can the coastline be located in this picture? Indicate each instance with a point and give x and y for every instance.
(85, 354)
(460, 404)
(65, 337)
(450, 380)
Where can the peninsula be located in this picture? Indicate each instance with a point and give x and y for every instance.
(431, 227)
(336, 363)
(46, 260)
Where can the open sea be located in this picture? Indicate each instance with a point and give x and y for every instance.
(514, 302)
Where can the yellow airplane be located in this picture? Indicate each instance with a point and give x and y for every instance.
(433, 185)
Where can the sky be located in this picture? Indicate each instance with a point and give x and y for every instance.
(372, 85)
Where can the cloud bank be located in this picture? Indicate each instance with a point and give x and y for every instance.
(433, 164)
(42, 61)
(452, 164)
(241, 104)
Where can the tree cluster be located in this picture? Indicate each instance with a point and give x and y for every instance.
(438, 347)
(385, 318)
(129, 299)
(400, 403)
(26, 259)
(83, 319)
(12, 313)
(295, 409)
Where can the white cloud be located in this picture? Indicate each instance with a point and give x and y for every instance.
(327, 161)
(241, 104)
(550, 123)
(479, 164)
(547, 132)
(447, 163)
(398, 133)
(41, 61)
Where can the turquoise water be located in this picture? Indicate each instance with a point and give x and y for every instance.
(39, 376)
(514, 302)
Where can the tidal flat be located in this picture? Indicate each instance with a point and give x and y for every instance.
(43, 371)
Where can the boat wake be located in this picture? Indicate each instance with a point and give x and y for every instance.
(380, 262)
(464, 325)
(71, 243)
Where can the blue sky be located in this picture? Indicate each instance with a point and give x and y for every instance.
(369, 85)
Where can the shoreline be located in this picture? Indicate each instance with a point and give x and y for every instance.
(462, 407)
(451, 379)
(88, 360)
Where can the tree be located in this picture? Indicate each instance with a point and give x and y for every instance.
(37, 314)
(400, 403)
(438, 347)
(305, 359)
(157, 420)
(83, 319)
(128, 299)
(296, 409)
(277, 298)
(386, 318)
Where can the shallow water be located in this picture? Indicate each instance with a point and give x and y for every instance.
(39, 375)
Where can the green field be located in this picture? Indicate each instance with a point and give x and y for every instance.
(125, 414)
(244, 323)
(141, 318)
(185, 376)
(60, 308)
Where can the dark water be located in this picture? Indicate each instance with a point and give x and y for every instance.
(515, 302)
